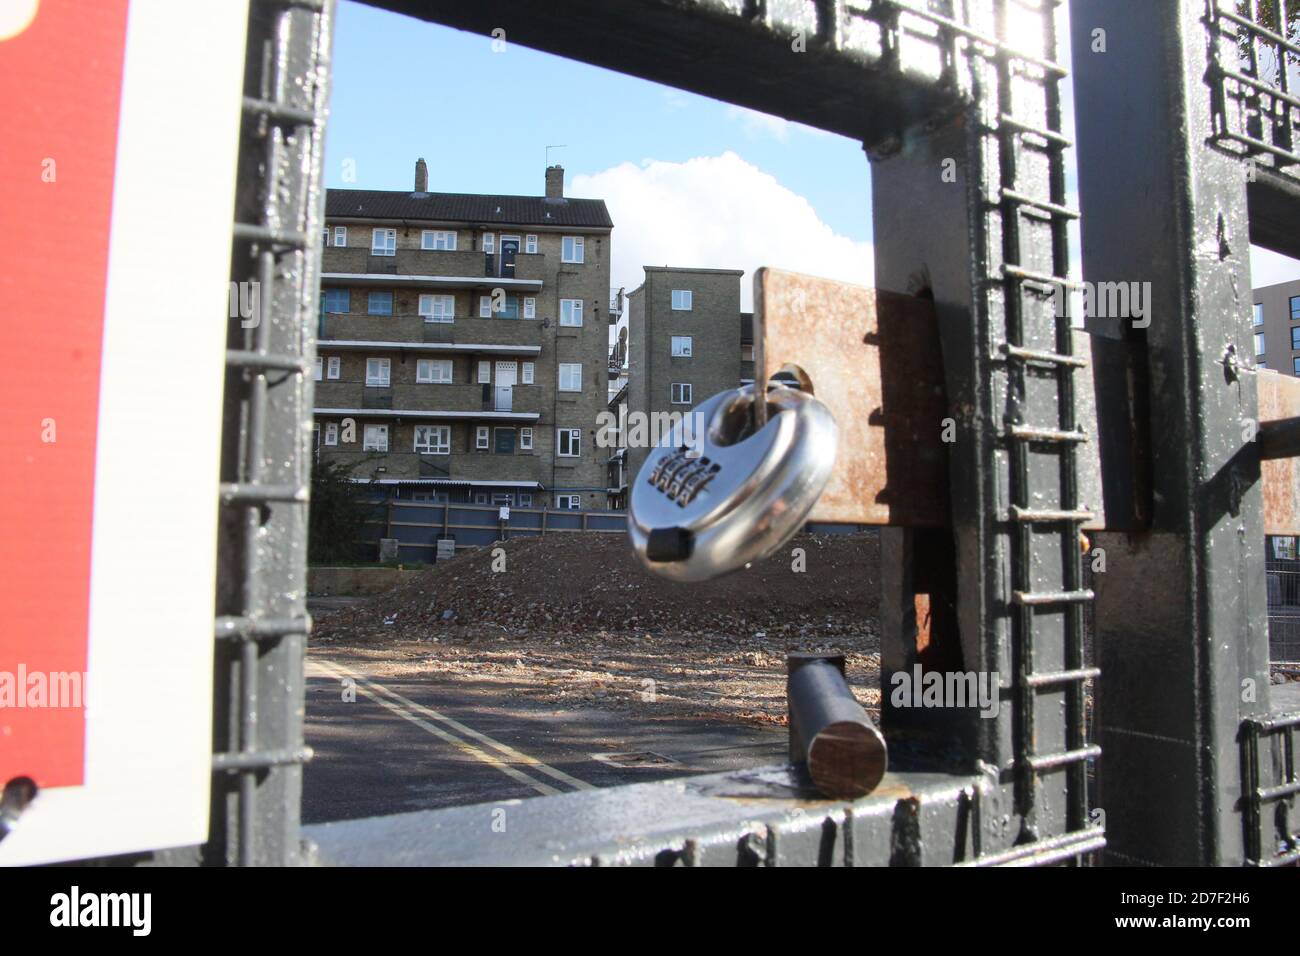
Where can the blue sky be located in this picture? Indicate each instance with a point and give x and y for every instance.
(689, 180)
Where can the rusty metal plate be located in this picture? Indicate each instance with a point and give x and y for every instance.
(873, 357)
(1279, 397)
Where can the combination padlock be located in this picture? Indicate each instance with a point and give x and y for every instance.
(731, 485)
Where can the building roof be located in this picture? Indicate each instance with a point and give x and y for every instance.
(466, 207)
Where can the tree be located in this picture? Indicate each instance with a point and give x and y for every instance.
(1268, 14)
(339, 510)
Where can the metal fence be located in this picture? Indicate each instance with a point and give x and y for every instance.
(1283, 611)
(419, 525)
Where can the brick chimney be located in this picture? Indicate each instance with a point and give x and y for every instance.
(555, 182)
(421, 176)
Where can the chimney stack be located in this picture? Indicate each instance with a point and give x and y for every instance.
(421, 176)
(555, 182)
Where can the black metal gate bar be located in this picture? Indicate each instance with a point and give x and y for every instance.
(1180, 609)
(261, 603)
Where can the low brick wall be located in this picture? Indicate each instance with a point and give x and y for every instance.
(354, 581)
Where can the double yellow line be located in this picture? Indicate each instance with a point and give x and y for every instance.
(506, 758)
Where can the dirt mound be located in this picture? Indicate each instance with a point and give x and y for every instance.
(578, 583)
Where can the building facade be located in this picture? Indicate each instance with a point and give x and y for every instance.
(685, 344)
(1277, 327)
(462, 345)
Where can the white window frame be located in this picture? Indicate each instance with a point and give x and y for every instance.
(574, 442)
(682, 300)
(433, 371)
(683, 346)
(530, 307)
(485, 371)
(573, 318)
(485, 307)
(482, 438)
(331, 433)
(374, 444)
(526, 373)
(437, 308)
(439, 442)
(340, 235)
(317, 373)
(377, 380)
(574, 502)
(530, 244)
(680, 393)
(1260, 347)
(388, 245)
(525, 439)
(1257, 314)
(490, 242)
(334, 367)
(567, 373)
(525, 499)
(430, 239)
(573, 249)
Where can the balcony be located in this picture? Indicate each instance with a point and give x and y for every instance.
(413, 331)
(411, 400)
(458, 466)
(427, 268)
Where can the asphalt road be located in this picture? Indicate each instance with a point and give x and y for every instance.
(395, 745)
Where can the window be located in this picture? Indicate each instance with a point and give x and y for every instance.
(569, 502)
(438, 239)
(333, 367)
(481, 437)
(317, 374)
(571, 312)
(331, 433)
(379, 303)
(338, 300)
(340, 235)
(325, 235)
(1259, 343)
(433, 439)
(568, 442)
(378, 371)
(480, 497)
(383, 242)
(525, 498)
(489, 242)
(747, 353)
(527, 373)
(530, 244)
(530, 307)
(438, 308)
(1295, 308)
(525, 439)
(509, 307)
(681, 393)
(1295, 337)
(505, 441)
(570, 377)
(681, 300)
(375, 438)
(436, 371)
(484, 371)
(485, 307)
(1295, 365)
(1259, 313)
(571, 249)
(681, 346)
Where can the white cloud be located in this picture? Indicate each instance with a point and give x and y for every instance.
(1270, 268)
(717, 212)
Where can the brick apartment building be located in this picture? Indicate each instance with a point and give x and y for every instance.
(1277, 327)
(462, 347)
(687, 340)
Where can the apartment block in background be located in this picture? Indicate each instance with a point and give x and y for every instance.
(685, 344)
(1277, 327)
(462, 349)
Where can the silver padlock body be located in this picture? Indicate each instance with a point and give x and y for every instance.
(730, 502)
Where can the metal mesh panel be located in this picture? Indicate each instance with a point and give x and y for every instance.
(1283, 611)
(1270, 787)
(1254, 69)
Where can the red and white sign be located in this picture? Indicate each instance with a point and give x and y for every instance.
(118, 169)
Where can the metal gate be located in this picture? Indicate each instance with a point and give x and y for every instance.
(972, 86)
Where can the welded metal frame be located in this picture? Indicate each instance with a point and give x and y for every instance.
(1192, 751)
